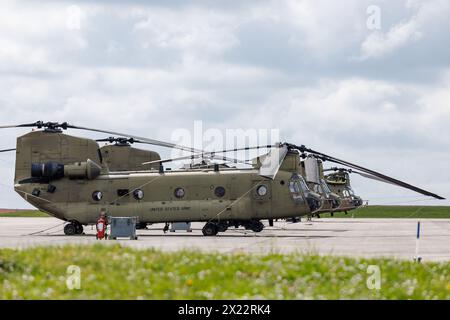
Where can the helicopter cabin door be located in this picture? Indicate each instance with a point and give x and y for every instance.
(262, 199)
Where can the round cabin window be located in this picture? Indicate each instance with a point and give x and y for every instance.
(179, 193)
(261, 191)
(138, 194)
(219, 192)
(97, 195)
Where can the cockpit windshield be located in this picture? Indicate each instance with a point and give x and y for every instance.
(318, 188)
(303, 184)
(298, 188)
(294, 187)
(325, 186)
(298, 184)
(348, 192)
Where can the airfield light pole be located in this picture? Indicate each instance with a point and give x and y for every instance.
(417, 257)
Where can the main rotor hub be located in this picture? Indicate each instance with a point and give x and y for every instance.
(53, 127)
(119, 141)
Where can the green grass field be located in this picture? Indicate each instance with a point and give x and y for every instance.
(24, 214)
(421, 212)
(114, 272)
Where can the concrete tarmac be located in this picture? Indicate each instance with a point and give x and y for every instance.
(340, 236)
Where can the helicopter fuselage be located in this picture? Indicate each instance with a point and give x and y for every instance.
(172, 196)
(76, 180)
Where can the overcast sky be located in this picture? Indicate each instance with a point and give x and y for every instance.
(327, 74)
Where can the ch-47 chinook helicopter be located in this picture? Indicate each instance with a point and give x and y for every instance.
(312, 170)
(339, 182)
(73, 178)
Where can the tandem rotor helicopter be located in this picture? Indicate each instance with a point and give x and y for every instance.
(73, 179)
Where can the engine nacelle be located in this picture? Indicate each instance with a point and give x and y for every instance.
(53, 170)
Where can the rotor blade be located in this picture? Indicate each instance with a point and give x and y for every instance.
(372, 172)
(331, 169)
(147, 140)
(365, 175)
(192, 157)
(19, 126)
(7, 150)
(212, 154)
(271, 162)
(65, 125)
(369, 176)
(269, 146)
(150, 141)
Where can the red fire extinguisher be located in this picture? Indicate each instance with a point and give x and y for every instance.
(101, 225)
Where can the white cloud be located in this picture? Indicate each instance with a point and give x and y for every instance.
(150, 69)
(196, 31)
(325, 28)
(379, 44)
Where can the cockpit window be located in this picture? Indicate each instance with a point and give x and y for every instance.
(297, 184)
(318, 188)
(293, 186)
(325, 186)
(303, 184)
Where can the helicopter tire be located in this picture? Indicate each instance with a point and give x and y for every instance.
(210, 229)
(79, 228)
(256, 226)
(222, 226)
(141, 226)
(70, 229)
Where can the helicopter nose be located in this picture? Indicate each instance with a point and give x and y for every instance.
(357, 201)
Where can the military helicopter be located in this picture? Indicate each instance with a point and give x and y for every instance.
(73, 179)
(339, 182)
(312, 170)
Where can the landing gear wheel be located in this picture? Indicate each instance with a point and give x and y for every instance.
(141, 226)
(222, 226)
(70, 229)
(256, 226)
(78, 228)
(210, 229)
